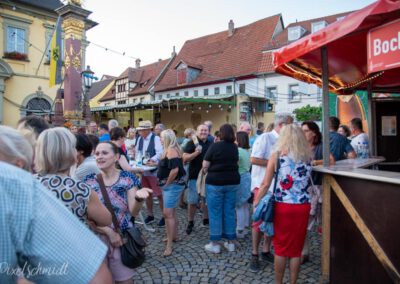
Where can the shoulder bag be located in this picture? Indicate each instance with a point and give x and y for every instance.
(269, 215)
(133, 248)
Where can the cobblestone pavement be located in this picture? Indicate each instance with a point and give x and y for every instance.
(190, 263)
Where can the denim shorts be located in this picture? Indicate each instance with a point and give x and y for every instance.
(192, 194)
(171, 195)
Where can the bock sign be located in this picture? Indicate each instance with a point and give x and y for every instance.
(384, 47)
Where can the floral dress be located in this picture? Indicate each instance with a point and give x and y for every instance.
(293, 181)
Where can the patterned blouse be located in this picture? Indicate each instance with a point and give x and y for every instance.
(74, 194)
(118, 193)
(293, 181)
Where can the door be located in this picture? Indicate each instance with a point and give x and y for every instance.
(388, 133)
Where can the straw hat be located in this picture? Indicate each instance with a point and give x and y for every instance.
(144, 125)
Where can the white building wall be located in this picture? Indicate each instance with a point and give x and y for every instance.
(309, 94)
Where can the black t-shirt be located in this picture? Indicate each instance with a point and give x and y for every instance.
(121, 153)
(224, 169)
(196, 164)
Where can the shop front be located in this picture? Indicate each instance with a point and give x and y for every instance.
(360, 197)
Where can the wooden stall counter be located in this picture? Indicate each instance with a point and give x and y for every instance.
(361, 225)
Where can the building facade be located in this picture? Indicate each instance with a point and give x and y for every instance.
(25, 56)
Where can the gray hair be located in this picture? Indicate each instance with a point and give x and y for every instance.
(160, 126)
(15, 147)
(209, 124)
(112, 123)
(55, 151)
(283, 118)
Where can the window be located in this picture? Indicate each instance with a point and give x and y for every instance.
(160, 97)
(205, 92)
(216, 91)
(186, 93)
(181, 76)
(176, 94)
(168, 96)
(121, 102)
(229, 89)
(294, 33)
(242, 88)
(196, 93)
(318, 26)
(134, 101)
(16, 40)
(294, 94)
(141, 100)
(272, 93)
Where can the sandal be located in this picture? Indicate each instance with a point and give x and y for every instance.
(168, 251)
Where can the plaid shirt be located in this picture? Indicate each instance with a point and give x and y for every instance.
(38, 233)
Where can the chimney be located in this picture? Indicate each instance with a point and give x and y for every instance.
(173, 52)
(231, 28)
(137, 65)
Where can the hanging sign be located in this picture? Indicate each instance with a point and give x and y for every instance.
(384, 47)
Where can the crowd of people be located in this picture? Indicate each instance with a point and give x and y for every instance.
(225, 175)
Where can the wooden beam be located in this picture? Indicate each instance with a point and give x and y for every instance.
(326, 229)
(366, 233)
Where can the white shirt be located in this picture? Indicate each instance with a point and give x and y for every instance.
(358, 141)
(158, 147)
(262, 149)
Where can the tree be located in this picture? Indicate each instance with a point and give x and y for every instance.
(308, 113)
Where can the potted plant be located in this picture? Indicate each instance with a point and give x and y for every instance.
(16, 55)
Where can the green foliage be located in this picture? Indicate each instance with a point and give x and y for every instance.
(308, 113)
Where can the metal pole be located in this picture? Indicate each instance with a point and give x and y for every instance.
(325, 105)
(371, 118)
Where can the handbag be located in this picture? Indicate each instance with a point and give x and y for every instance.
(269, 214)
(133, 248)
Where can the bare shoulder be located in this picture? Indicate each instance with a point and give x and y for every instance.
(173, 153)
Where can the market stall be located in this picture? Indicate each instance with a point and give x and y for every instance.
(360, 206)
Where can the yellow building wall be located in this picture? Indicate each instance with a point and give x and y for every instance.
(94, 102)
(25, 81)
(181, 120)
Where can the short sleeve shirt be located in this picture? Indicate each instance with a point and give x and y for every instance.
(37, 229)
(244, 160)
(339, 146)
(262, 149)
(195, 165)
(118, 194)
(358, 142)
(74, 194)
(224, 169)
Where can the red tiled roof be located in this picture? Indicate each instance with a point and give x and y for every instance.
(143, 77)
(110, 95)
(148, 76)
(266, 65)
(222, 56)
(282, 38)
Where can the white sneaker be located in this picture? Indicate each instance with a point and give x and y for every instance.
(229, 246)
(213, 248)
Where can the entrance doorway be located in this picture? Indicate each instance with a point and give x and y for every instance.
(388, 133)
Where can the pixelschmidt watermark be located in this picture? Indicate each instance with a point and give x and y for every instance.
(28, 270)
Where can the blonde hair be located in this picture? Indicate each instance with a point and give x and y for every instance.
(55, 151)
(14, 147)
(293, 141)
(188, 132)
(170, 141)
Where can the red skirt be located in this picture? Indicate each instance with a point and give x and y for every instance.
(290, 228)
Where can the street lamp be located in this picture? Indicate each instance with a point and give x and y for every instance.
(87, 80)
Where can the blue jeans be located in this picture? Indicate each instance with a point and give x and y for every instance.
(221, 200)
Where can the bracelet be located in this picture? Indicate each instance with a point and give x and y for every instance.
(138, 199)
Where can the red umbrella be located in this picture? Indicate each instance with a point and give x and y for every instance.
(346, 43)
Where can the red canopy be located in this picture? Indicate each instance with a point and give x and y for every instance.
(346, 41)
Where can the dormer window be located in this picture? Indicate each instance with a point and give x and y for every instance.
(318, 26)
(186, 73)
(294, 33)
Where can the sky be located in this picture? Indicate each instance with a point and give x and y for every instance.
(148, 29)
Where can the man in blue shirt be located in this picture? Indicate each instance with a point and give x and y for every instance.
(104, 134)
(41, 236)
(339, 145)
